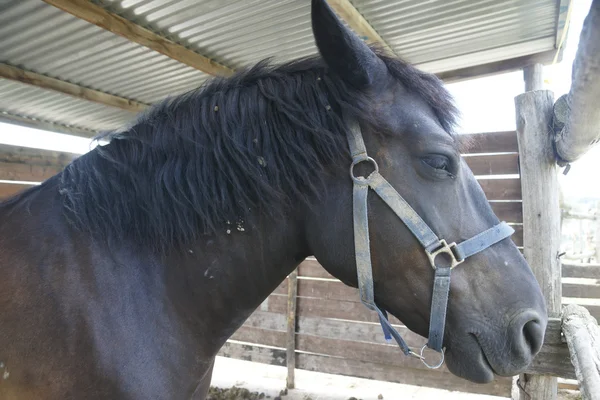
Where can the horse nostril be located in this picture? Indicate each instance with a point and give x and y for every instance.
(533, 331)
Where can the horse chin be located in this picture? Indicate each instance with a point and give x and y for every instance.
(469, 363)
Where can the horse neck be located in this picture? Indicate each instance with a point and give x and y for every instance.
(219, 281)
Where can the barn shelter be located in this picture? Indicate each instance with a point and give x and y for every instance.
(81, 67)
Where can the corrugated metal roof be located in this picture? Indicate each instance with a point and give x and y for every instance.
(436, 35)
(427, 33)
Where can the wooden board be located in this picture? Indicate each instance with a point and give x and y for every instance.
(118, 25)
(581, 290)
(508, 211)
(493, 142)
(493, 164)
(8, 189)
(260, 336)
(347, 367)
(389, 373)
(369, 370)
(27, 172)
(70, 89)
(501, 189)
(31, 165)
(573, 270)
(313, 307)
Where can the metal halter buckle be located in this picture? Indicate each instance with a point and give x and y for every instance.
(443, 247)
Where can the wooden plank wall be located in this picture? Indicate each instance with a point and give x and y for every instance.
(22, 167)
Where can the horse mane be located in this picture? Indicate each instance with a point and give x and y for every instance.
(257, 141)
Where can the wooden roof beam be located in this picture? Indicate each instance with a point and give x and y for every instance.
(45, 82)
(30, 122)
(346, 11)
(118, 25)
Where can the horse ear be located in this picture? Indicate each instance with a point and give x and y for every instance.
(344, 52)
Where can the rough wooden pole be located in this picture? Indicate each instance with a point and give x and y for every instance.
(291, 328)
(597, 238)
(541, 214)
(533, 76)
(583, 338)
(577, 119)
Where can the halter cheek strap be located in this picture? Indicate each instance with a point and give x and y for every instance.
(432, 245)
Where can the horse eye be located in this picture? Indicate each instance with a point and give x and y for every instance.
(438, 162)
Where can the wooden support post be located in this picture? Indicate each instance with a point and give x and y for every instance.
(346, 11)
(533, 76)
(97, 15)
(583, 338)
(291, 328)
(577, 116)
(597, 238)
(541, 214)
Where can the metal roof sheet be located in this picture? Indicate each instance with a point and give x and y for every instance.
(436, 35)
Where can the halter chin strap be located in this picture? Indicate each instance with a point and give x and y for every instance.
(433, 246)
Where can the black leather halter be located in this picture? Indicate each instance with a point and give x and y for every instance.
(432, 245)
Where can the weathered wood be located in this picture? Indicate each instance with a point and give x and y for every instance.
(552, 361)
(583, 338)
(360, 351)
(508, 211)
(267, 320)
(533, 77)
(31, 165)
(365, 332)
(501, 189)
(116, 24)
(541, 214)
(80, 92)
(492, 142)
(265, 337)
(314, 307)
(597, 234)
(494, 164)
(331, 290)
(346, 11)
(26, 155)
(248, 352)
(577, 115)
(342, 366)
(44, 125)
(497, 67)
(390, 373)
(573, 270)
(581, 290)
(27, 172)
(594, 310)
(312, 269)
(290, 341)
(8, 189)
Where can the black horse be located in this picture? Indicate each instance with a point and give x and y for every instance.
(122, 276)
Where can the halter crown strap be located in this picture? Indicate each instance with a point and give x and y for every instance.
(427, 238)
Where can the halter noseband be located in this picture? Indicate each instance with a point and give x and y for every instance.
(433, 246)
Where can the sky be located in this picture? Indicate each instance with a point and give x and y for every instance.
(486, 104)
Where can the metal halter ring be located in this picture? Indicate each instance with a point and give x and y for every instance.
(359, 179)
(436, 366)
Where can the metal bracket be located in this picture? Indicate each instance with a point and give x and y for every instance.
(443, 247)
